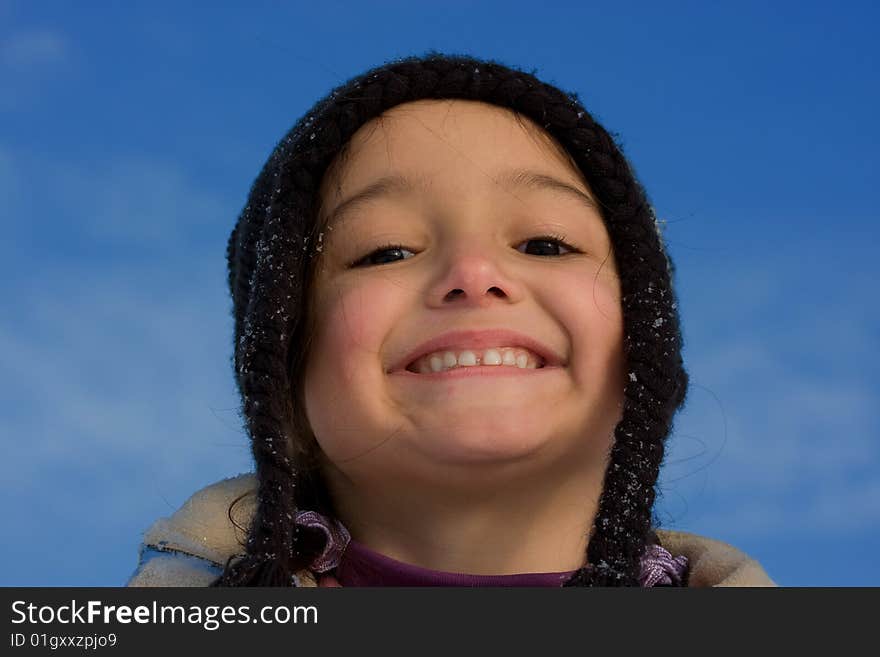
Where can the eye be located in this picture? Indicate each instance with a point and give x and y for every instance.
(385, 254)
(377, 257)
(545, 240)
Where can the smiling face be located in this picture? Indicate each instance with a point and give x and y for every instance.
(470, 195)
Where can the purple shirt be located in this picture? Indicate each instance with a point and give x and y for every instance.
(361, 566)
(354, 564)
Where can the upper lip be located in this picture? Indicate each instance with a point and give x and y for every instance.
(479, 339)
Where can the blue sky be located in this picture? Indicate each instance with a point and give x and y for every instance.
(131, 132)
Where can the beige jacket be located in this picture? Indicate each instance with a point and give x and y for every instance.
(190, 547)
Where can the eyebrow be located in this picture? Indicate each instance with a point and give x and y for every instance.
(509, 179)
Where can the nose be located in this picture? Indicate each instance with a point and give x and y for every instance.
(474, 277)
(458, 292)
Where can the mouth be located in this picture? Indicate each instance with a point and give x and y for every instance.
(477, 375)
(495, 349)
(492, 358)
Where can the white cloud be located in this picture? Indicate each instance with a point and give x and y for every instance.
(9, 187)
(781, 424)
(116, 369)
(33, 49)
(782, 427)
(132, 203)
(29, 59)
(845, 507)
(117, 373)
(139, 202)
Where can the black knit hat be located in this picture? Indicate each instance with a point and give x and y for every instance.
(272, 254)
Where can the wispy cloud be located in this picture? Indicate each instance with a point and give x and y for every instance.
(37, 48)
(8, 182)
(128, 206)
(782, 424)
(117, 399)
(780, 431)
(29, 60)
(139, 202)
(114, 366)
(812, 509)
(102, 374)
(845, 506)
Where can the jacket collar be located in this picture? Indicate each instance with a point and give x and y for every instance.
(202, 528)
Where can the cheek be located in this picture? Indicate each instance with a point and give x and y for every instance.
(354, 322)
(607, 319)
(594, 317)
(345, 358)
(607, 330)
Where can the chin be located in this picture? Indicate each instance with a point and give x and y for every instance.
(474, 443)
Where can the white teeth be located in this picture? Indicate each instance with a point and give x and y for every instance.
(445, 360)
(491, 357)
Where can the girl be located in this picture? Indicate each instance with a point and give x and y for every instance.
(458, 351)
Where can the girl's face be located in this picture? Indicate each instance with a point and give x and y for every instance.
(482, 191)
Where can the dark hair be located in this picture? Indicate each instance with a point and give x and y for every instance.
(272, 254)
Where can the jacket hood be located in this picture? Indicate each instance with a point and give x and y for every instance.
(190, 547)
